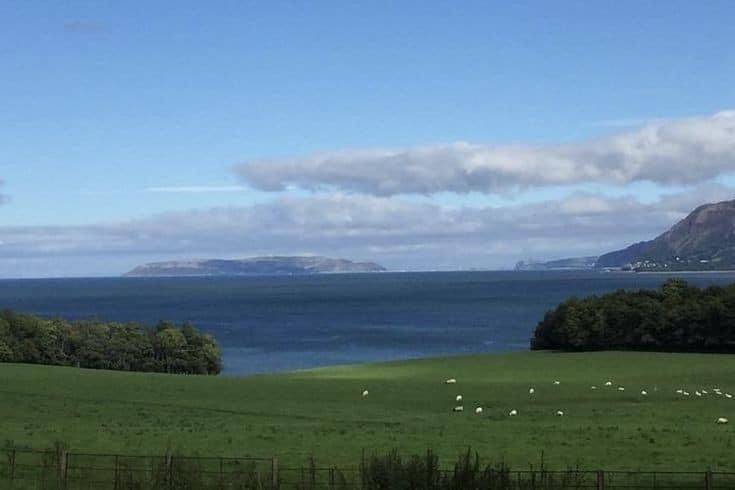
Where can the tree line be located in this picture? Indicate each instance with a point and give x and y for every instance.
(165, 347)
(675, 317)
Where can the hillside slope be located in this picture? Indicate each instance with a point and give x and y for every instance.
(321, 412)
(704, 240)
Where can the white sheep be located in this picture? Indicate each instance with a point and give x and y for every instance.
(513, 413)
(608, 383)
(680, 391)
(644, 392)
(478, 410)
(697, 393)
(593, 387)
(685, 393)
(728, 395)
(704, 392)
(450, 381)
(559, 413)
(458, 408)
(718, 393)
(557, 382)
(531, 391)
(722, 420)
(365, 393)
(620, 388)
(458, 398)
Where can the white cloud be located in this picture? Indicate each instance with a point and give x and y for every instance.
(667, 152)
(400, 234)
(196, 189)
(629, 122)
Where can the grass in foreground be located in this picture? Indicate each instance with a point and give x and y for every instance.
(321, 412)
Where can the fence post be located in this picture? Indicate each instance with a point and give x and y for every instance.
(708, 480)
(362, 469)
(63, 464)
(12, 466)
(600, 480)
(274, 472)
(170, 470)
(116, 473)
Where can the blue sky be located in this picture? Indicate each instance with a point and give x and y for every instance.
(106, 105)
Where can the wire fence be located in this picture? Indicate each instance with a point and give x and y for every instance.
(27, 469)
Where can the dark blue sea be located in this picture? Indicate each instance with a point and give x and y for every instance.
(273, 323)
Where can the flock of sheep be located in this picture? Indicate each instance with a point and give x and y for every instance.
(560, 413)
(512, 413)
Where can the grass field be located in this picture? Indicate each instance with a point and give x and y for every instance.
(321, 412)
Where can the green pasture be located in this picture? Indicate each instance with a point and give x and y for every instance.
(321, 412)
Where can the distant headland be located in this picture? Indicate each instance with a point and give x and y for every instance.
(703, 241)
(298, 265)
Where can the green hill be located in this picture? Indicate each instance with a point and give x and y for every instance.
(322, 413)
(704, 240)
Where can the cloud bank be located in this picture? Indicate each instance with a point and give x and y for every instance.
(670, 152)
(195, 189)
(399, 233)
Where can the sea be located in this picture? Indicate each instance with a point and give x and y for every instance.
(276, 323)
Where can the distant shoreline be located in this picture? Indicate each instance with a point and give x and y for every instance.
(726, 271)
(386, 272)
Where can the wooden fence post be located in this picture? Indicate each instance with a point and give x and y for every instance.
(600, 480)
(170, 470)
(63, 464)
(116, 473)
(274, 472)
(708, 480)
(12, 466)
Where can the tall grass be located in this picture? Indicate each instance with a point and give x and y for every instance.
(57, 469)
(391, 472)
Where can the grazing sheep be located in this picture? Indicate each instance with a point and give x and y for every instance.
(559, 413)
(513, 413)
(458, 408)
(478, 410)
(644, 392)
(685, 393)
(680, 391)
(593, 387)
(697, 393)
(718, 393)
(704, 392)
(557, 382)
(620, 388)
(608, 383)
(458, 398)
(728, 395)
(450, 381)
(365, 393)
(531, 391)
(722, 420)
